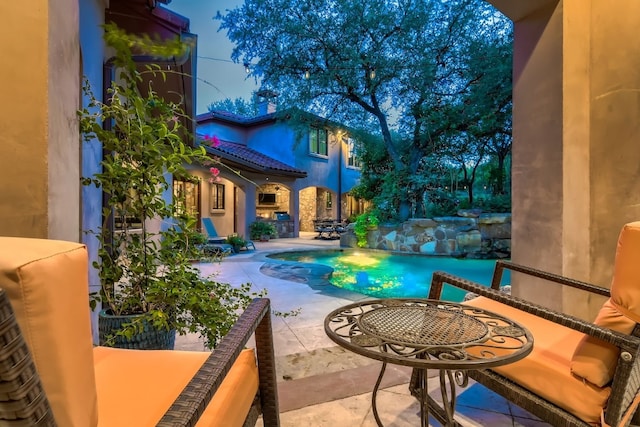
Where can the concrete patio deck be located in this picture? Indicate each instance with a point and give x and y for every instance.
(323, 385)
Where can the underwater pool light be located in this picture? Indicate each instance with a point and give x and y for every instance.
(359, 260)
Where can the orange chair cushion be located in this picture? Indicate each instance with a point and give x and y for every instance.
(545, 371)
(625, 289)
(595, 360)
(47, 284)
(136, 387)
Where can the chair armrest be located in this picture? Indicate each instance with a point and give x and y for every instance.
(502, 265)
(625, 342)
(193, 400)
(24, 401)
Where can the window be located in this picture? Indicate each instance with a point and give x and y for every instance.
(318, 141)
(123, 216)
(216, 197)
(352, 159)
(187, 197)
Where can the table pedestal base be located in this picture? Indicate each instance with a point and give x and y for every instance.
(419, 388)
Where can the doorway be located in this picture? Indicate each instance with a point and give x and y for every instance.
(187, 197)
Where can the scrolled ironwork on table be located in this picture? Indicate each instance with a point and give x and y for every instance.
(450, 335)
(428, 334)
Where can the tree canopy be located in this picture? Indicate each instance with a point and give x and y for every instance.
(238, 106)
(421, 71)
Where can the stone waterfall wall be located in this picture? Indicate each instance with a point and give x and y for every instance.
(482, 236)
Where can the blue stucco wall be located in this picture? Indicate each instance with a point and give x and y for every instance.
(224, 132)
(92, 48)
(278, 140)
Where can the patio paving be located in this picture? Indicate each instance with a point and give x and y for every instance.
(321, 384)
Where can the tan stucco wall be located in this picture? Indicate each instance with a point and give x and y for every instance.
(615, 126)
(23, 120)
(576, 136)
(223, 220)
(39, 168)
(576, 179)
(537, 145)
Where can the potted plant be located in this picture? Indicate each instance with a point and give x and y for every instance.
(145, 264)
(262, 230)
(236, 241)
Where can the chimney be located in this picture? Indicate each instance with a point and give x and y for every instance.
(266, 102)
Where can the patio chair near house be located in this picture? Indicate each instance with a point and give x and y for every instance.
(238, 242)
(213, 237)
(212, 233)
(215, 250)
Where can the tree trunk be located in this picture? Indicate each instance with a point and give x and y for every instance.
(404, 210)
(501, 175)
(404, 205)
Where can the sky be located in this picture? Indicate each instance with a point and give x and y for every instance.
(218, 78)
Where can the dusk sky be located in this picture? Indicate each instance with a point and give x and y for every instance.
(218, 78)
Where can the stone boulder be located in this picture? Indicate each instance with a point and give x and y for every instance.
(469, 213)
(470, 241)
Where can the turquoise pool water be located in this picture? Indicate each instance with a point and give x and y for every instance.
(384, 275)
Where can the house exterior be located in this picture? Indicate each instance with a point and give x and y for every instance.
(272, 173)
(262, 149)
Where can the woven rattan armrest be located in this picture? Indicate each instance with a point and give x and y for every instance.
(191, 403)
(22, 398)
(501, 265)
(626, 379)
(626, 342)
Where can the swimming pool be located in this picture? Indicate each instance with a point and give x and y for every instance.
(384, 275)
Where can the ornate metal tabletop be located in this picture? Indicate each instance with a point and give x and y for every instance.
(429, 334)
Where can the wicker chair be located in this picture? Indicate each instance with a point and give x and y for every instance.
(573, 341)
(51, 374)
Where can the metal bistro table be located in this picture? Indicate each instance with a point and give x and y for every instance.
(428, 334)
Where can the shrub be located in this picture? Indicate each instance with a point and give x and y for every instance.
(258, 229)
(499, 203)
(365, 222)
(236, 240)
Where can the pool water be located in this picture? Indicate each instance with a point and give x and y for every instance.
(384, 275)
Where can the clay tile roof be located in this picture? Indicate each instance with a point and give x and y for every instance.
(234, 118)
(229, 115)
(254, 160)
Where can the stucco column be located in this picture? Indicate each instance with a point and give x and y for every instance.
(40, 165)
(249, 209)
(576, 179)
(294, 208)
